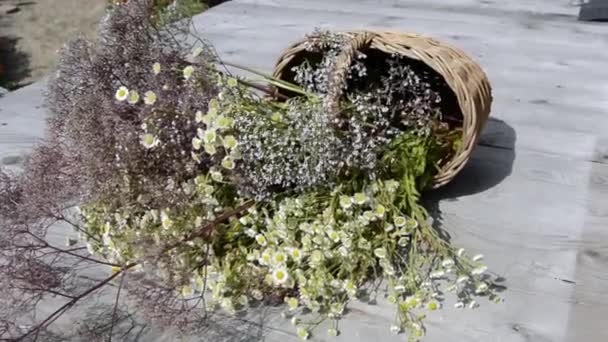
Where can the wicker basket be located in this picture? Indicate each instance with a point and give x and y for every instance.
(465, 78)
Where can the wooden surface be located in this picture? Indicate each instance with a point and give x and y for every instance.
(534, 198)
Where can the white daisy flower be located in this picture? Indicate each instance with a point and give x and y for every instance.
(332, 332)
(188, 71)
(165, 220)
(280, 276)
(209, 136)
(122, 93)
(400, 221)
(257, 294)
(223, 122)
(149, 97)
(296, 254)
(149, 141)
(380, 210)
(230, 142)
(196, 143)
(261, 240)
(210, 149)
(482, 288)
(359, 198)
(333, 235)
(198, 116)
(279, 258)
(292, 303)
(266, 257)
(232, 82)
(156, 68)
(133, 97)
(345, 202)
(217, 176)
(479, 270)
(228, 163)
(303, 333)
(380, 252)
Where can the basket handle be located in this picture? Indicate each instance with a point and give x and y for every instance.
(344, 60)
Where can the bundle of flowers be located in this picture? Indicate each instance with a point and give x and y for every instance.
(194, 178)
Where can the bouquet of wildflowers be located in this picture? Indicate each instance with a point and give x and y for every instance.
(230, 196)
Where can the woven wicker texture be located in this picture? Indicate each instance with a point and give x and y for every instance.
(463, 75)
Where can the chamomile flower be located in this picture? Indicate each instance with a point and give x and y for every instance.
(216, 176)
(332, 332)
(333, 235)
(210, 149)
(165, 220)
(209, 136)
(280, 276)
(188, 71)
(403, 241)
(482, 288)
(232, 82)
(400, 221)
(133, 97)
(479, 270)
(477, 257)
(266, 257)
(295, 254)
(228, 163)
(433, 305)
(279, 258)
(359, 198)
(380, 210)
(303, 333)
(122, 93)
(380, 253)
(261, 240)
(198, 116)
(292, 303)
(257, 294)
(345, 202)
(156, 67)
(149, 141)
(149, 97)
(230, 142)
(196, 143)
(223, 122)
(395, 329)
(350, 287)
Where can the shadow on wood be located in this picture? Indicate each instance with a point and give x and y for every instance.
(14, 64)
(491, 162)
